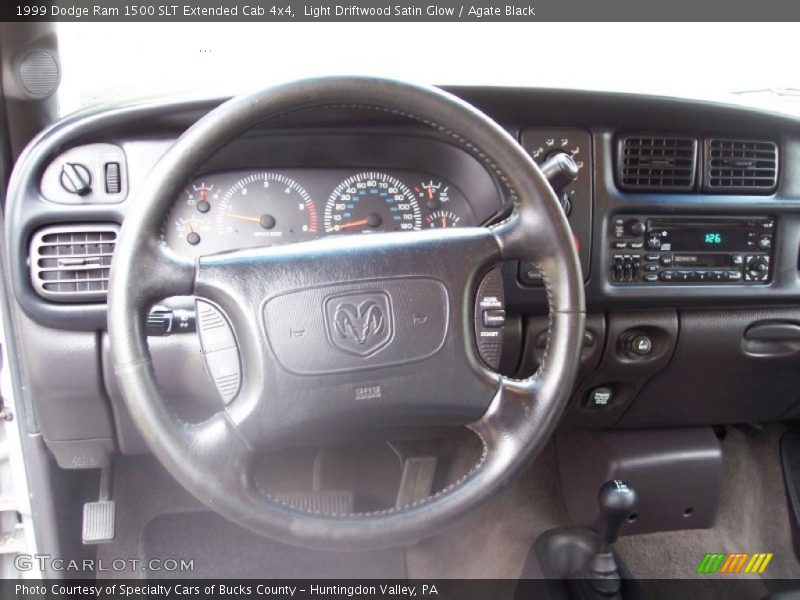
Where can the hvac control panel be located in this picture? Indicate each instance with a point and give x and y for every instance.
(691, 250)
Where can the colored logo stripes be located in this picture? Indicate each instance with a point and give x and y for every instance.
(736, 562)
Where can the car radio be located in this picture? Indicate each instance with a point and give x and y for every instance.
(691, 250)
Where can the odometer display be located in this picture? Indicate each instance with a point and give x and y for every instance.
(371, 202)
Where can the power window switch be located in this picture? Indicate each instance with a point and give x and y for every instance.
(495, 317)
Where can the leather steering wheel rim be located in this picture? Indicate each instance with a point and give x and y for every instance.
(213, 459)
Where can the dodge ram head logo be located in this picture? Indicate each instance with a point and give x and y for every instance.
(359, 323)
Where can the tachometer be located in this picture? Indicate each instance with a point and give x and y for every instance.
(264, 209)
(371, 202)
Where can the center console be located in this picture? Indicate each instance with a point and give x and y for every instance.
(649, 250)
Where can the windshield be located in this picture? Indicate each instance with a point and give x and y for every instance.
(114, 61)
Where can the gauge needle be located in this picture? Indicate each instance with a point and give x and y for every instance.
(244, 218)
(354, 224)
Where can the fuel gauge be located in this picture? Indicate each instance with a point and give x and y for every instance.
(442, 219)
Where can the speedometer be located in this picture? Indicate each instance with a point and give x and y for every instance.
(372, 202)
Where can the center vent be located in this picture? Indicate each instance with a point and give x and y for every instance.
(741, 166)
(72, 263)
(656, 163)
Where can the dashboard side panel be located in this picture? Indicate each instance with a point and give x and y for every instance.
(722, 373)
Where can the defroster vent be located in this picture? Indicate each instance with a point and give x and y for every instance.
(656, 163)
(71, 263)
(741, 166)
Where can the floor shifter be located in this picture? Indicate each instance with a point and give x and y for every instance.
(601, 578)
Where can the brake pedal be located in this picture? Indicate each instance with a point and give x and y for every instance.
(99, 517)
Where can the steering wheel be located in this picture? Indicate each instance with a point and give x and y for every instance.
(409, 295)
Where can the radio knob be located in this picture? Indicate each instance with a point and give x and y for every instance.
(757, 268)
(636, 227)
(654, 243)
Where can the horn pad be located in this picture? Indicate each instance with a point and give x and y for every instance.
(358, 325)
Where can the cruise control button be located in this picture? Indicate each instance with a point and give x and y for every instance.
(529, 275)
(494, 318)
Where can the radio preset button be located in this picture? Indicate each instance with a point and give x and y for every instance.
(667, 276)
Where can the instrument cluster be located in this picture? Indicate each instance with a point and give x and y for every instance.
(232, 210)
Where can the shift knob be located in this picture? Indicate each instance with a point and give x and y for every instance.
(617, 501)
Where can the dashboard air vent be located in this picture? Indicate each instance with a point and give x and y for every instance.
(656, 163)
(741, 166)
(71, 263)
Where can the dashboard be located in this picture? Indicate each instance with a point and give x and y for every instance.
(686, 217)
(238, 209)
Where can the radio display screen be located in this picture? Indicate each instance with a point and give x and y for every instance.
(704, 239)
